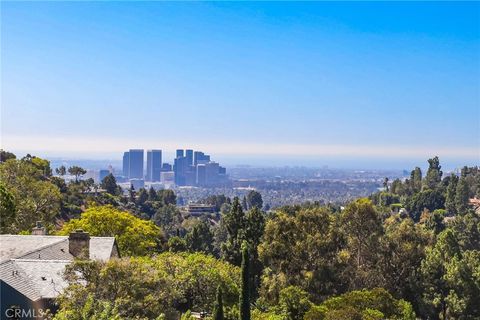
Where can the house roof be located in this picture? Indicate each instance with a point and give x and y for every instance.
(50, 247)
(35, 279)
(34, 264)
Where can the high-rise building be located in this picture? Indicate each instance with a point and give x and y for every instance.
(201, 175)
(189, 156)
(136, 164)
(179, 153)
(200, 158)
(222, 170)
(180, 168)
(154, 165)
(212, 170)
(190, 176)
(126, 164)
(210, 174)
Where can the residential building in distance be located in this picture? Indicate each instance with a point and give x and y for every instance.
(135, 164)
(154, 165)
(196, 210)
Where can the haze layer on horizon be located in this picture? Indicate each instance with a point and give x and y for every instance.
(368, 82)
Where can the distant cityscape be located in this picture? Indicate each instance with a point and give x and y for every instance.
(190, 168)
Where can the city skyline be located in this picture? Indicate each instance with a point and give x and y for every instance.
(190, 168)
(309, 83)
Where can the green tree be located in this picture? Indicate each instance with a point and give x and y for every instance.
(362, 305)
(428, 199)
(461, 196)
(244, 203)
(132, 194)
(363, 229)
(109, 183)
(416, 180)
(61, 171)
(254, 229)
(434, 174)
(234, 222)
(303, 249)
(397, 187)
(200, 238)
(145, 288)
(434, 221)
(385, 184)
(218, 307)
(244, 302)
(467, 231)
(169, 218)
(402, 250)
(450, 204)
(294, 303)
(36, 198)
(152, 194)
(450, 272)
(41, 164)
(5, 155)
(254, 200)
(77, 172)
(463, 279)
(385, 199)
(7, 209)
(168, 196)
(197, 276)
(176, 244)
(433, 270)
(135, 236)
(142, 197)
(217, 201)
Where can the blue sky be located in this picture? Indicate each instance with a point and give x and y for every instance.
(315, 82)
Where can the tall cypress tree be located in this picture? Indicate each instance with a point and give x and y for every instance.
(218, 307)
(450, 203)
(416, 180)
(245, 291)
(434, 174)
(244, 203)
(234, 222)
(461, 197)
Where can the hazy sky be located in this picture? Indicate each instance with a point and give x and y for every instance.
(265, 80)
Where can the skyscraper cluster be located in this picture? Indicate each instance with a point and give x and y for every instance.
(191, 168)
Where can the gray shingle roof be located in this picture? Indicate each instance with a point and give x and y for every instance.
(50, 247)
(34, 264)
(15, 246)
(35, 279)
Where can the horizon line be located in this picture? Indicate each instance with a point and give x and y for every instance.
(84, 145)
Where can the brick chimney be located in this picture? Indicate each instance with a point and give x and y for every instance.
(79, 244)
(39, 229)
